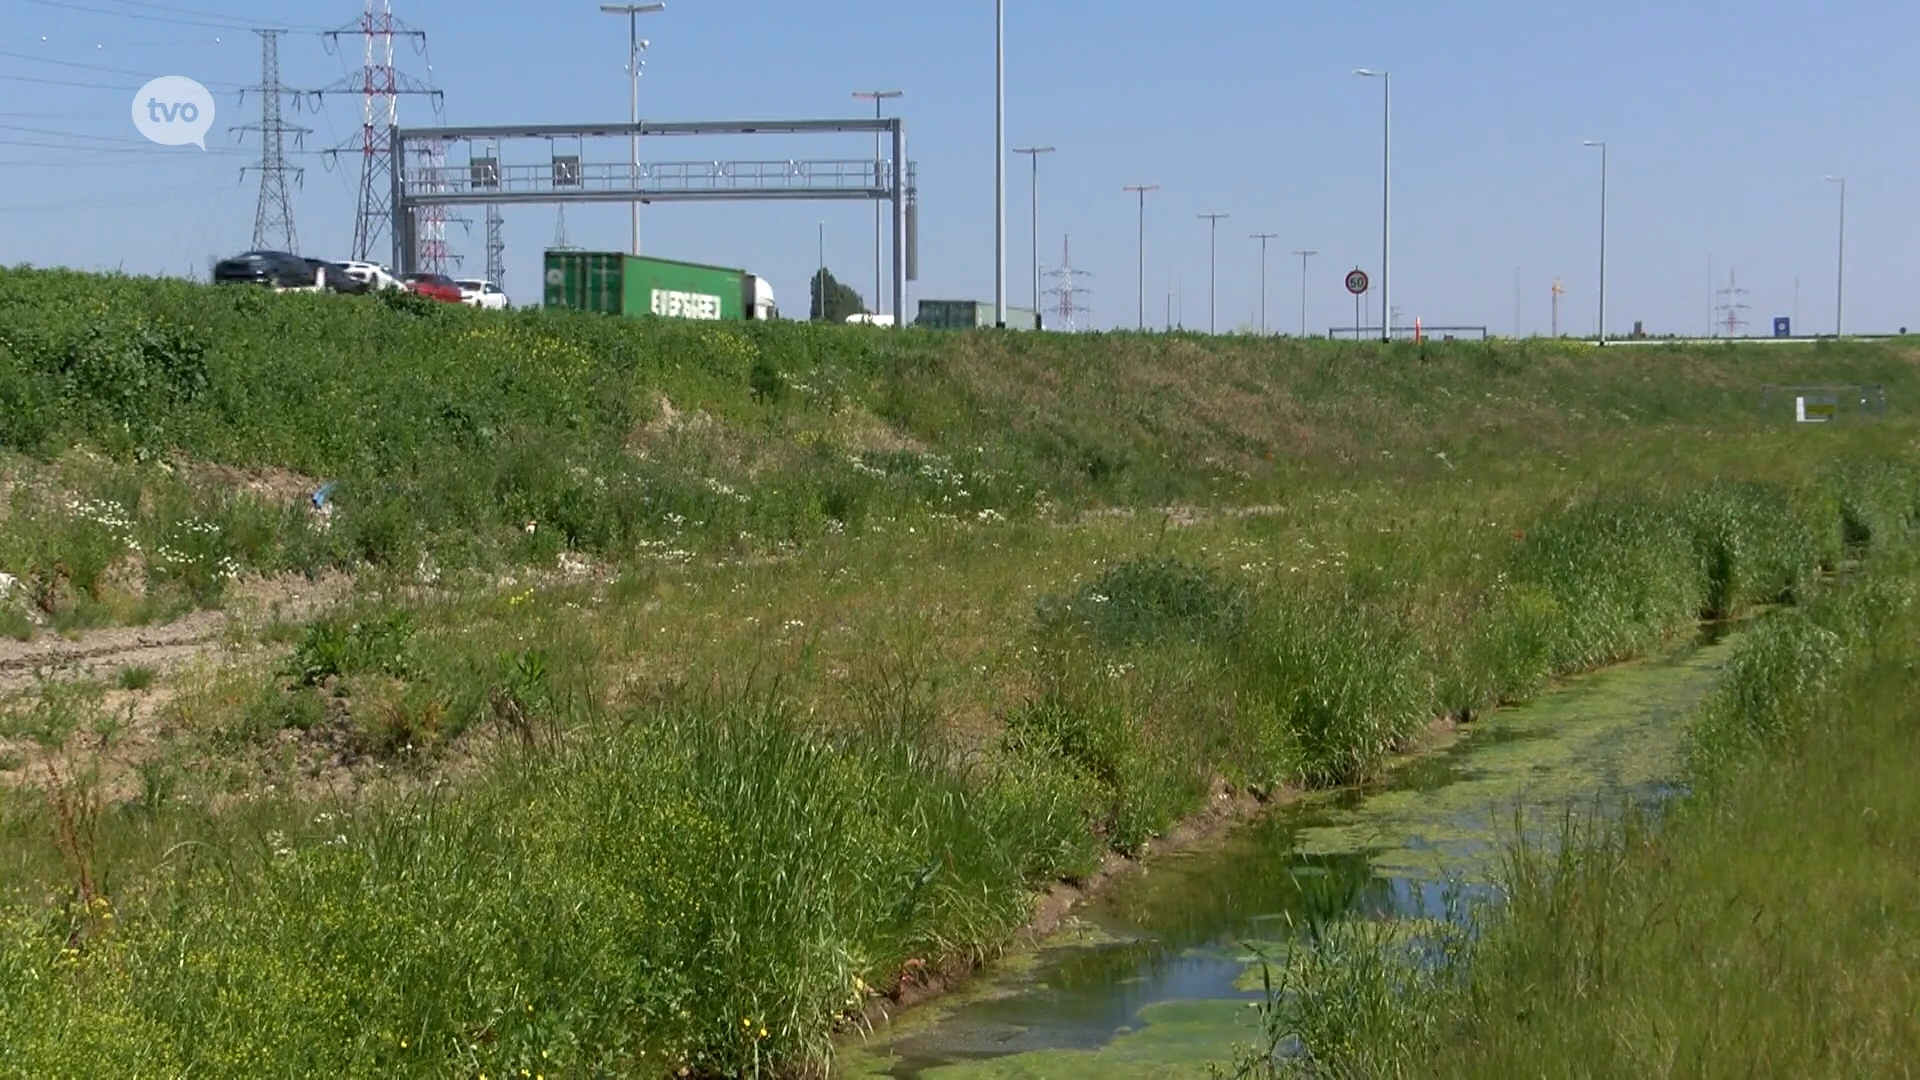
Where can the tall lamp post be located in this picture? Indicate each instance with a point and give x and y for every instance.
(878, 97)
(1213, 225)
(1386, 195)
(1603, 236)
(1141, 190)
(1304, 256)
(1000, 164)
(1840, 298)
(1034, 153)
(1263, 238)
(634, 48)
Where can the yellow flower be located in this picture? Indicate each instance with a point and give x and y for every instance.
(745, 1023)
(763, 1033)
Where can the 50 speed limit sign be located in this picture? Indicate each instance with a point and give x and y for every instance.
(1357, 281)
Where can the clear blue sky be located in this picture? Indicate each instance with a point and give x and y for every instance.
(1723, 118)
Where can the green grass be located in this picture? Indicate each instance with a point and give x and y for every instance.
(851, 669)
(218, 411)
(656, 895)
(1766, 925)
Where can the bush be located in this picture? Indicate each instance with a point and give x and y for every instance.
(1147, 599)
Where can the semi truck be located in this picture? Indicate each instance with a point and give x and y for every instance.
(615, 283)
(971, 315)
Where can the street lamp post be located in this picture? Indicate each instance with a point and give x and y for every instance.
(1000, 164)
(1141, 190)
(1601, 143)
(878, 97)
(1386, 195)
(1213, 225)
(1304, 256)
(1263, 238)
(1034, 153)
(1840, 298)
(634, 48)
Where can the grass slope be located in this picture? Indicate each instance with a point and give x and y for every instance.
(1765, 926)
(848, 672)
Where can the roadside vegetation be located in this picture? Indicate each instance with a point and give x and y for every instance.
(691, 686)
(1766, 924)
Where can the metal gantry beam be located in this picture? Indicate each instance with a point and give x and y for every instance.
(485, 177)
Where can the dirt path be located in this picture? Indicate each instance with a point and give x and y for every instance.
(103, 653)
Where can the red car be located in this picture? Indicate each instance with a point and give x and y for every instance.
(433, 286)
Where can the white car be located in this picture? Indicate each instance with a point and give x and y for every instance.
(482, 294)
(373, 274)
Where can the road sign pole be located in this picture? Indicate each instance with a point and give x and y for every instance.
(1357, 284)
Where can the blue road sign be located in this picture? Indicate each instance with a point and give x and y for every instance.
(1783, 327)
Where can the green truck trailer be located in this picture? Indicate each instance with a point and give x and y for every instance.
(615, 283)
(970, 315)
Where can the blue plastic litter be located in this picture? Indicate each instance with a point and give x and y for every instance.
(320, 495)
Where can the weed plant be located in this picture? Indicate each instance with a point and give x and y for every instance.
(707, 886)
(1759, 926)
(456, 438)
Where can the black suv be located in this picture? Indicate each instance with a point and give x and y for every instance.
(274, 268)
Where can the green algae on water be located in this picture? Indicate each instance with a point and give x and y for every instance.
(1607, 737)
(1177, 1039)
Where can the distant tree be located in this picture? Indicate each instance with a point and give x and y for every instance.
(842, 299)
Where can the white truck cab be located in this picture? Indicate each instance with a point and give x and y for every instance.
(764, 308)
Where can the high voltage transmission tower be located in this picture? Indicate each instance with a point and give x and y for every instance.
(1733, 305)
(380, 86)
(430, 250)
(1066, 295)
(273, 215)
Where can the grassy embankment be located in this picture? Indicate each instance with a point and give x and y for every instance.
(839, 667)
(1767, 925)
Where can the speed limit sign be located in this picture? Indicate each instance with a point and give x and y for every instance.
(1356, 282)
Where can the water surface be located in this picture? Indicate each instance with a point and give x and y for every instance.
(1154, 978)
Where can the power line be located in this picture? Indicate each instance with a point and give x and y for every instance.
(29, 163)
(91, 114)
(108, 70)
(70, 82)
(108, 201)
(69, 134)
(176, 10)
(229, 23)
(98, 149)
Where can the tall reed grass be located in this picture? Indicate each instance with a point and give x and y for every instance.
(1761, 926)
